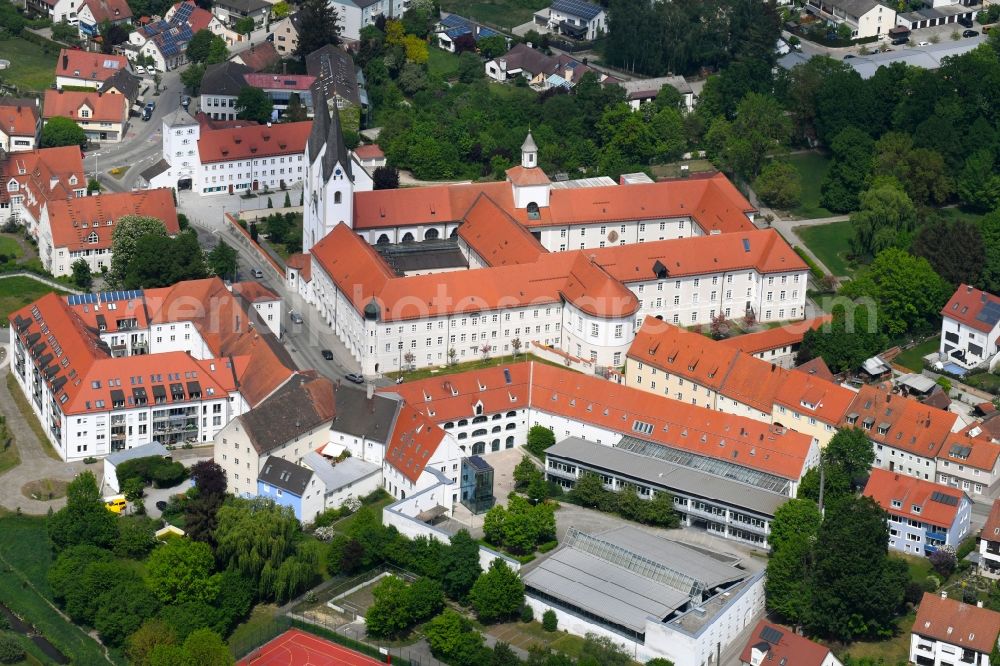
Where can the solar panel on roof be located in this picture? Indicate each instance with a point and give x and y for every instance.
(771, 635)
(938, 496)
(585, 10)
(990, 313)
(454, 21)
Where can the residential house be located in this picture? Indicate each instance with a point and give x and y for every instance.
(353, 15)
(989, 544)
(539, 68)
(641, 91)
(166, 39)
(103, 117)
(58, 11)
(82, 228)
(220, 87)
(95, 13)
(231, 12)
(970, 462)
(259, 57)
(453, 27)
(577, 19)
(20, 124)
(86, 69)
(33, 178)
(317, 484)
(230, 159)
(778, 345)
(286, 34)
(281, 88)
(264, 301)
(370, 157)
(865, 18)
(947, 631)
(970, 328)
(339, 79)
(772, 644)
(129, 86)
(110, 371)
(923, 516)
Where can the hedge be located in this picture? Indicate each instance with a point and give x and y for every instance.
(157, 470)
(813, 268)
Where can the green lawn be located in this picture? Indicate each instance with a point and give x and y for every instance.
(985, 381)
(673, 170)
(956, 213)
(914, 358)
(812, 168)
(896, 650)
(504, 13)
(18, 291)
(9, 247)
(31, 68)
(9, 457)
(25, 556)
(831, 244)
(258, 629)
(442, 63)
(29, 416)
(478, 364)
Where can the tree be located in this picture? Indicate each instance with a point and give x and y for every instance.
(978, 183)
(602, 651)
(943, 560)
(990, 228)
(390, 613)
(493, 523)
(254, 104)
(793, 533)
(160, 261)
(539, 439)
(82, 276)
(136, 537)
(760, 127)
(498, 594)
(549, 620)
(62, 131)
(192, 77)
(295, 112)
(424, 598)
(223, 260)
(660, 511)
(852, 451)
(84, 519)
(886, 217)
(908, 291)
(779, 185)
(280, 9)
(492, 47)
(11, 651)
(182, 570)
(504, 655)
(954, 249)
(140, 645)
(244, 26)
(206, 648)
(850, 170)
(122, 609)
(453, 639)
(319, 27)
(588, 490)
(524, 472)
(209, 478)
(63, 31)
(217, 52)
(846, 342)
(65, 572)
(385, 178)
(858, 587)
(124, 240)
(460, 564)
(199, 45)
(470, 67)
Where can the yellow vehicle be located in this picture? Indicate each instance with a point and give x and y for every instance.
(115, 504)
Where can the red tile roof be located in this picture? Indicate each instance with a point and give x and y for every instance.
(496, 237)
(113, 312)
(814, 396)
(108, 10)
(414, 440)
(96, 67)
(18, 117)
(776, 338)
(254, 291)
(963, 625)
(259, 56)
(369, 151)
(991, 530)
(44, 175)
(886, 487)
(783, 646)
(979, 453)
(199, 18)
(611, 406)
(103, 107)
(817, 367)
(525, 177)
(683, 353)
(301, 262)
(362, 275)
(300, 82)
(911, 426)
(72, 221)
(243, 143)
(967, 303)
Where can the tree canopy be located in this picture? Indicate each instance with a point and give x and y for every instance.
(125, 238)
(254, 104)
(62, 131)
(160, 261)
(319, 27)
(84, 520)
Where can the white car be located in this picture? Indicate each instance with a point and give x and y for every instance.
(139, 69)
(923, 43)
(151, 70)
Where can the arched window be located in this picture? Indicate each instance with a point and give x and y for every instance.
(449, 425)
(463, 435)
(454, 233)
(495, 445)
(407, 237)
(510, 414)
(496, 429)
(479, 419)
(510, 442)
(478, 432)
(382, 240)
(533, 213)
(497, 416)
(479, 448)
(431, 234)
(510, 426)
(463, 422)
(337, 197)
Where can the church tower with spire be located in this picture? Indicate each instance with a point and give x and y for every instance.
(530, 184)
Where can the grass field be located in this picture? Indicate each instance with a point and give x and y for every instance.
(31, 68)
(984, 381)
(256, 630)
(494, 361)
(914, 358)
(831, 244)
(673, 170)
(956, 213)
(812, 168)
(18, 291)
(29, 416)
(442, 63)
(503, 13)
(893, 651)
(24, 550)
(9, 457)
(526, 634)
(9, 247)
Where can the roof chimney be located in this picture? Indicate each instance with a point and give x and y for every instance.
(979, 604)
(944, 594)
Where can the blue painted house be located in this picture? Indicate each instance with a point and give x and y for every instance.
(287, 484)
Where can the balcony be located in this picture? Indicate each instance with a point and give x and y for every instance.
(936, 536)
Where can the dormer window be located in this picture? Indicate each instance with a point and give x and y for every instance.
(84, 112)
(915, 508)
(92, 238)
(897, 504)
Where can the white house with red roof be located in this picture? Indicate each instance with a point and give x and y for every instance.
(947, 631)
(109, 371)
(85, 69)
(94, 13)
(970, 328)
(264, 301)
(32, 179)
(82, 228)
(103, 117)
(989, 544)
(923, 516)
(773, 645)
(20, 124)
(166, 39)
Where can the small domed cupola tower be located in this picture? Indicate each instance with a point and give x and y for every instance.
(529, 152)
(531, 185)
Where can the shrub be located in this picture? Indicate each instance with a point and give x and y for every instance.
(89, 460)
(549, 620)
(547, 546)
(527, 614)
(943, 562)
(932, 583)
(11, 651)
(169, 476)
(914, 592)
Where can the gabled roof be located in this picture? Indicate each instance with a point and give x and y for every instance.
(18, 117)
(817, 367)
(783, 647)
(108, 10)
(963, 625)
(97, 67)
(294, 82)
(918, 499)
(960, 449)
(579, 8)
(683, 353)
(496, 237)
(974, 308)
(47, 174)
(415, 438)
(257, 141)
(73, 222)
(103, 107)
(287, 476)
(991, 530)
(124, 82)
(909, 425)
(335, 72)
(775, 338)
(243, 6)
(224, 78)
(259, 56)
(300, 406)
(254, 292)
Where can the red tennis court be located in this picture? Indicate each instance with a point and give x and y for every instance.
(298, 648)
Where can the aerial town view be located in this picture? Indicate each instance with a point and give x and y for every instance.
(500, 332)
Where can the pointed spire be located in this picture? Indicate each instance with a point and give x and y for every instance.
(529, 152)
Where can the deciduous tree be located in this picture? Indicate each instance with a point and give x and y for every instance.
(223, 260)
(460, 566)
(124, 240)
(954, 249)
(498, 594)
(62, 131)
(779, 185)
(254, 104)
(84, 519)
(183, 570)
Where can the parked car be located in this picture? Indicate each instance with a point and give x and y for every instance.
(899, 41)
(139, 69)
(161, 506)
(185, 102)
(257, 273)
(923, 43)
(355, 377)
(327, 354)
(965, 22)
(295, 317)
(970, 33)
